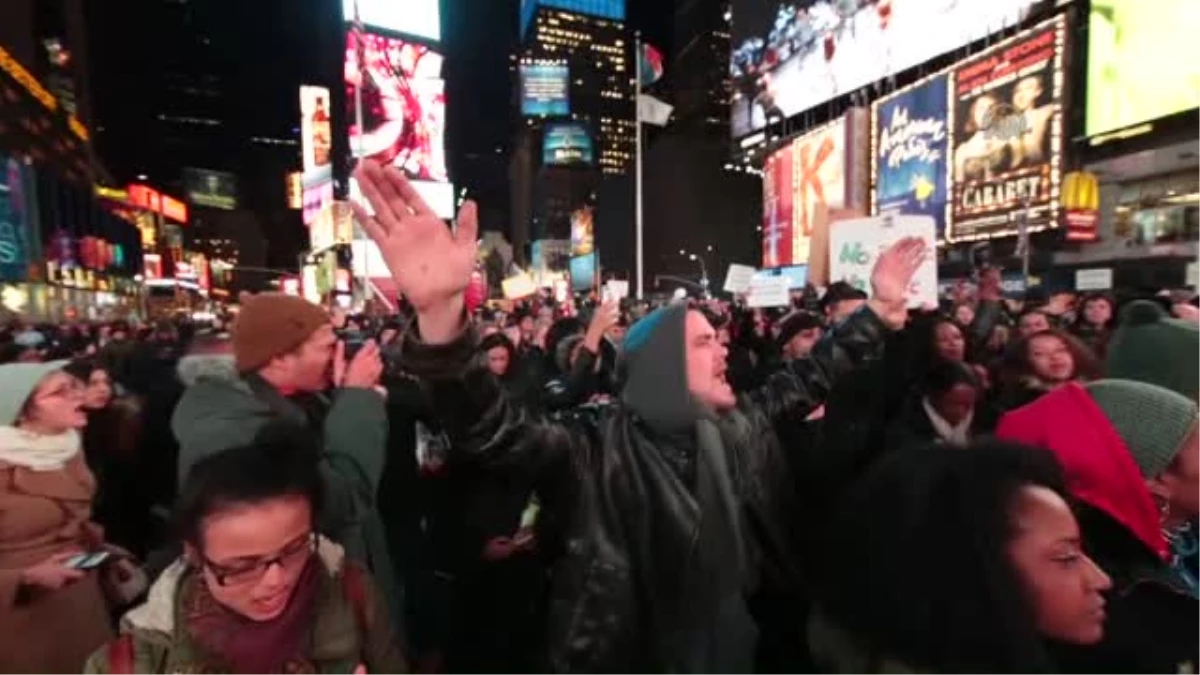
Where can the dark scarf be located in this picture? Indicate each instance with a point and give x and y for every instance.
(710, 629)
(248, 646)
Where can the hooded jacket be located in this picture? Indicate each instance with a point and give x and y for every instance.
(1152, 618)
(674, 514)
(221, 410)
(346, 631)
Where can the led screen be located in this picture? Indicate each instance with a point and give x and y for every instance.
(545, 90)
(403, 104)
(316, 135)
(1141, 63)
(790, 56)
(418, 18)
(566, 143)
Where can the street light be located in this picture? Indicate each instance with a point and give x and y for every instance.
(703, 269)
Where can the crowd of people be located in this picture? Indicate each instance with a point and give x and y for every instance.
(844, 485)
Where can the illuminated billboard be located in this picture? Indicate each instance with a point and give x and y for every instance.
(418, 18)
(1007, 135)
(403, 105)
(316, 134)
(1137, 68)
(910, 148)
(567, 143)
(823, 169)
(545, 90)
(212, 189)
(787, 58)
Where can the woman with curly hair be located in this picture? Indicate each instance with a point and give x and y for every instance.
(1042, 362)
(957, 560)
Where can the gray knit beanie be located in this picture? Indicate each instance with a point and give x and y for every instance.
(1153, 421)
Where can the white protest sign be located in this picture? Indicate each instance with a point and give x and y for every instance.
(1099, 279)
(616, 289)
(519, 286)
(737, 279)
(769, 292)
(855, 244)
(1191, 274)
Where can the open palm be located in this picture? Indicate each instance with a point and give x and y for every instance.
(430, 264)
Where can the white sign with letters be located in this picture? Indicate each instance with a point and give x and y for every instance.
(855, 244)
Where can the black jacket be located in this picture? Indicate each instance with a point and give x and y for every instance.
(630, 525)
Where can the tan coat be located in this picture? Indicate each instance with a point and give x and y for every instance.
(43, 513)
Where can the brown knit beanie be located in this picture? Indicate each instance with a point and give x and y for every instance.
(271, 325)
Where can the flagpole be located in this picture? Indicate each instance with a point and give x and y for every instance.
(359, 51)
(637, 104)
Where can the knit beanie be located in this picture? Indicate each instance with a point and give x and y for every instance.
(271, 325)
(17, 383)
(1153, 421)
(1149, 346)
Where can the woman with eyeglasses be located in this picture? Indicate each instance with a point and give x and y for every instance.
(59, 580)
(257, 589)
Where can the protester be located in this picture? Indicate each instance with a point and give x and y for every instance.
(1032, 322)
(1042, 362)
(840, 301)
(949, 410)
(54, 610)
(799, 332)
(949, 560)
(1132, 457)
(111, 442)
(671, 450)
(287, 356)
(258, 589)
(1148, 346)
(1094, 323)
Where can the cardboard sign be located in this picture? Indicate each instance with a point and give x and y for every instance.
(769, 292)
(737, 279)
(854, 245)
(818, 252)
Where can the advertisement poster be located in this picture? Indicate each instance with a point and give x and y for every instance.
(854, 245)
(1007, 136)
(912, 141)
(788, 57)
(1134, 70)
(583, 236)
(778, 194)
(545, 90)
(316, 134)
(567, 143)
(404, 104)
(820, 165)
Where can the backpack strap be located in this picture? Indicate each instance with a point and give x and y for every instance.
(120, 655)
(355, 588)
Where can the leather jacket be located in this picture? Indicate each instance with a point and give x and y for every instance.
(630, 525)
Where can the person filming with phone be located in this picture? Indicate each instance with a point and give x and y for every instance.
(59, 581)
(289, 365)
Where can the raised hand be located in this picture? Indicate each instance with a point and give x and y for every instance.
(891, 278)
(430, 264)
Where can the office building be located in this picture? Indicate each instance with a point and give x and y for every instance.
(574, 67)
(698, 77)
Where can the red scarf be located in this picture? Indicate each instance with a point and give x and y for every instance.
(248, 646)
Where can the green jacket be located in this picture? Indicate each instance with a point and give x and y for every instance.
(347, 632)
(220, 410)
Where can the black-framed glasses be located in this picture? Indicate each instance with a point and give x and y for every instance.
(290, 558)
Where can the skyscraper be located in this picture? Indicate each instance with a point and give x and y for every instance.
(699, 72)
(575, 66)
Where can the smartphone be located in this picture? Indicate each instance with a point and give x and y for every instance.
(87, 561)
